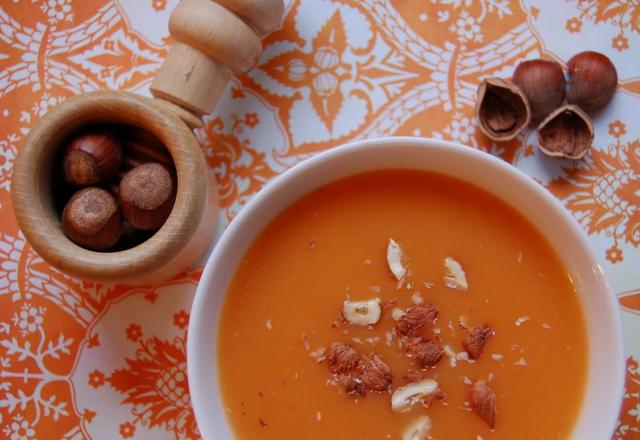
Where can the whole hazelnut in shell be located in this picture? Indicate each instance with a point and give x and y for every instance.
(592, 80)
(147, 194)
(92, 158)
(543, 83)
(92, 219)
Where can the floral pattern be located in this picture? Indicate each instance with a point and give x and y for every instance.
(155, 385)
(622, 14)
(603, 192)
(87, 360)
(628, 427)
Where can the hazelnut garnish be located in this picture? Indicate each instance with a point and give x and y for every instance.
(92, 158)
(92, 219)
(592, 80)
(147, 194)
(566, 132)
(502, 109)
(544, 85)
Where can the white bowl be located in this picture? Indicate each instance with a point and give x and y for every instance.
(605, 380)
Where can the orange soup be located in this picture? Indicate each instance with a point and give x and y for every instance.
(285, 312)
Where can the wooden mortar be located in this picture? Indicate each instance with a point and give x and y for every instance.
(213, 41)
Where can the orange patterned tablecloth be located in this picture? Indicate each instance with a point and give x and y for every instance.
(85, 360)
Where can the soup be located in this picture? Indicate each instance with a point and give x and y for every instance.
(284, 317)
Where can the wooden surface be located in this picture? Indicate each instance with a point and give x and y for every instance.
(190, 79)
(182, 238)
(211, 43)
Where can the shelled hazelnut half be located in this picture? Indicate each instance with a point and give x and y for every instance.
(92, 158)
(566, 132)
(147, 193)
(502, 109)
(92, 219)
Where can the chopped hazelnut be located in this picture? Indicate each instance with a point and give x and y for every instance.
(474, 342)
(404, 398)
(343, 358)
(362, 313)
(376, 375)
(416, 318)
(483, 401)
(428, 353)
(353, 385)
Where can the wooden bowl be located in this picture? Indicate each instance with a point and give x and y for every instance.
(212, 41)
(184, 237)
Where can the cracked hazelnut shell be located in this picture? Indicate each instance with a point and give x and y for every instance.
(92, 219)
(502, 109)
(544, 85)
(592, 80)
(92, 158)
(147, 193)
(566, 132)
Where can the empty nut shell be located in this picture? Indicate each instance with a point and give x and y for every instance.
(566, 132)
(502, 109)
(543, 83)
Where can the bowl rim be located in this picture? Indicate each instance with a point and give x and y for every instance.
(199, 373)
(36, 217)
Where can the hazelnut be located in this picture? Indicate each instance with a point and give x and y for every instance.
(483, 402)
(502, 109)
(92, 219)
(147, 193)
(592, 80)
(566, 132)
(92, 158)
(544, 85)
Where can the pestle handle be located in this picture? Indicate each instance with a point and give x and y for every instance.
(213, 40)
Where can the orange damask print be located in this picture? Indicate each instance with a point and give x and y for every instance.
(397, 69)
(335, 71)
(630, 415)
(623, 14)
(100, 52)
(603, 192)
(240, 169)
(321, 71)
(35, 371)
(127, 430)
(159, 5)
(96, 378)
(155, 386)
(134, 332)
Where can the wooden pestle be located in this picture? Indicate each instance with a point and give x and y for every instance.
(213, 40)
